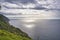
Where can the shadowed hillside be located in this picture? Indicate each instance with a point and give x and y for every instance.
(9, 32)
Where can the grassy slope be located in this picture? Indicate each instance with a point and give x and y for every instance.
(8, 32)
(5, 35)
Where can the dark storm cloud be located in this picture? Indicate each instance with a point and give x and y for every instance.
(21, 1)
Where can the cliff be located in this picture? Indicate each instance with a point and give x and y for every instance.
(9, 32)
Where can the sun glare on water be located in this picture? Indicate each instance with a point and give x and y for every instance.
(29, 25)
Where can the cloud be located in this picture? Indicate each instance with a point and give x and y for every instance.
(55, 4)
(25, 3)
(21, 1)
(19, 4)
(13, 7)
(7, 4)
(16, 4)
(23, 13)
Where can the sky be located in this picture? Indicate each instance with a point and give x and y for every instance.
(31, 6)
(31, 3)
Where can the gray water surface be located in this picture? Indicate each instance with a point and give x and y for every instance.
(44, 29)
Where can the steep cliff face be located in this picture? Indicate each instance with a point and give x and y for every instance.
(9, 32)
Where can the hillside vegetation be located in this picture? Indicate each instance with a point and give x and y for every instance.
(9, 32)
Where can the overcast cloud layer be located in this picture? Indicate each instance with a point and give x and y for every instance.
(31, 6)
(31, 3)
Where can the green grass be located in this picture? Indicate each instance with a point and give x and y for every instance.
(5, 35)
(9, 32)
